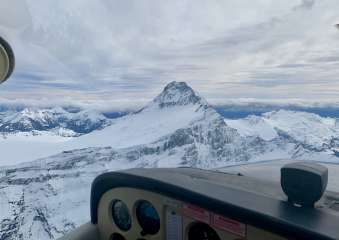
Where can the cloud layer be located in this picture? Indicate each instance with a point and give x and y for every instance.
(125, 51)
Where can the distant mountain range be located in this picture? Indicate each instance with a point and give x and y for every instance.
(48, 197)
(235, 110)
(56, 120)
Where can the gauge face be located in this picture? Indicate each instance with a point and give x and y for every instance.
(3, 64)
(121, 215)
(7, 60)
(148, 217)
(201, 231)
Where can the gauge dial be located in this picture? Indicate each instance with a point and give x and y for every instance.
(148, 218)
(7, 60)
(121, 215)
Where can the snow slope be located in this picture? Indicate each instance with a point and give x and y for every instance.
(307, 129)
(144, 127)
(253, 126)
(23, 147)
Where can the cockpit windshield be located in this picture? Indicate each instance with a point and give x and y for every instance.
(242, 87)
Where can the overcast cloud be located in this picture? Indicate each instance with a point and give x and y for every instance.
(124, 52)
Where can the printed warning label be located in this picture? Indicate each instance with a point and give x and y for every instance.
(196, 213)
(228, 225)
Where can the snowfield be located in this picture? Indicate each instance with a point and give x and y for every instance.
(25, 147)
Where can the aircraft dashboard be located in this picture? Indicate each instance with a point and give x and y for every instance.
(185, 203)
(127, 213)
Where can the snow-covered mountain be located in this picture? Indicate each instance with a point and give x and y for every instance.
(177, 119)
(57, 120)
(46, 198)
(39, 132)
(308, 131)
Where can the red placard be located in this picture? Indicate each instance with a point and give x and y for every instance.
(229, 225)
(196, 213)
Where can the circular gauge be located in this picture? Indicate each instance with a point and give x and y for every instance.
(121, 216)
(201, 231)
(7, 60)
(148, 218)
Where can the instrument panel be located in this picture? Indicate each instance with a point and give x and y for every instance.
(128, 213)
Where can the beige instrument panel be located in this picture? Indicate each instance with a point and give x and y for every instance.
(177, 219)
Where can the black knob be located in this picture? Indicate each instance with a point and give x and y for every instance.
(304, 183)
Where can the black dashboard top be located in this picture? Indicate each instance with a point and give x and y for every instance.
(245, 199)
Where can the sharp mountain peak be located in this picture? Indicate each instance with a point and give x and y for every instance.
(178, 94)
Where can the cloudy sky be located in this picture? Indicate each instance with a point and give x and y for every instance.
(123, 52)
